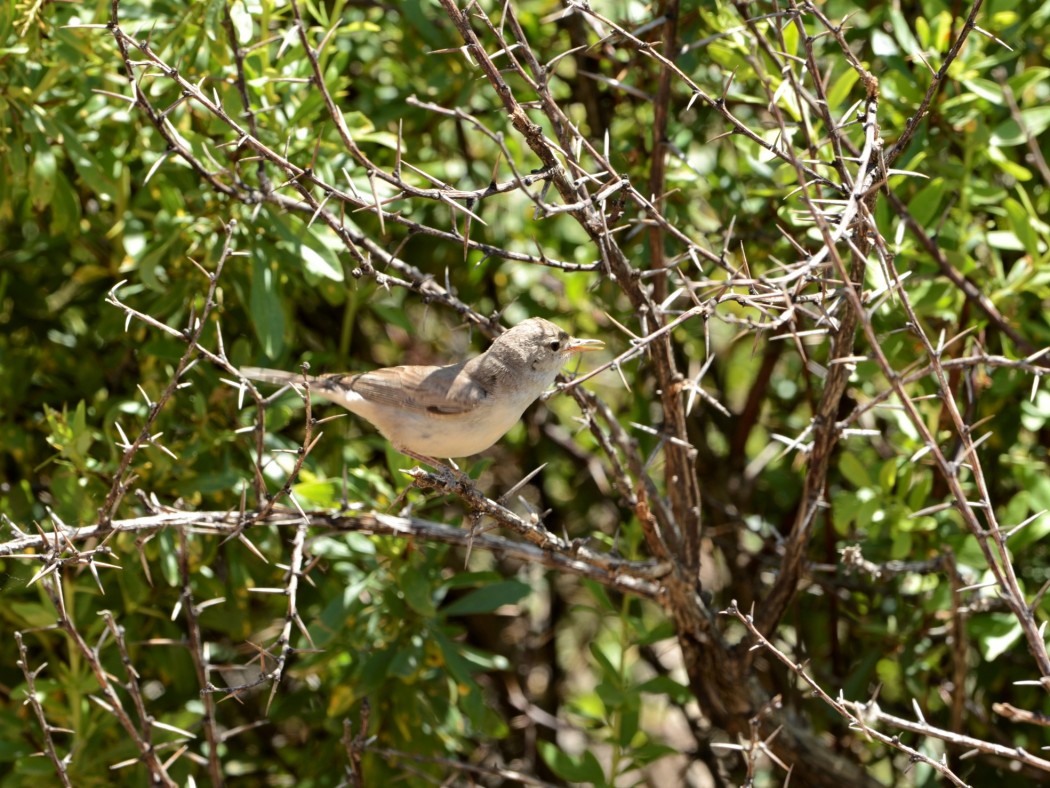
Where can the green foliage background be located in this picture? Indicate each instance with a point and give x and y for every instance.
(88, 198)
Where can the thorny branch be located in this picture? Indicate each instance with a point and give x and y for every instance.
(192, 334)
(862, 716)
(46, 728)
(140, 734)
(636, 577)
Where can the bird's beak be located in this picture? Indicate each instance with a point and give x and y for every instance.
(583, 345)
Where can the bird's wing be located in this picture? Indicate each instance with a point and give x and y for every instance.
(443, 391)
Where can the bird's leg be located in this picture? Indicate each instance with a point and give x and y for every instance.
(451, 476)
(475, 523)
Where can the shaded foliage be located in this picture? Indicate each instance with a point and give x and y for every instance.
(495, 662)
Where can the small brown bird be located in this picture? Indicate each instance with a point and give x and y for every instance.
(457, 410)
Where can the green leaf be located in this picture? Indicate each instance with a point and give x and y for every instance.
(840, 89)
(919, 495)
(628, 723)
(1035, 498)
(416, 588)
(71, 438)
(102, 183)
(902, 544)
(374, 671)
(406, 662)
(601, 596)
(1020, 223)
(65, 208)
(651, 751)
(242, 22)
(1009, 166)
(472, 579)
(579, 769)
(854, 470)
(82, 436)
(996, 635)
(266, 310)
(609, 672)
(922, 32)
(662, 630)
(395, 316)
(42, 174)
(1036, 120)
(322, 494)
(888, 475)
(306, 245)
(32, 614)
(926, 202)
(458, 666)
(986, 89)
(169, 561)
(1035, 413)
(320, 262)
(665, 685)
(902, 32)
(892, 679)
(790, 35)
(419, 16)
(488, 598)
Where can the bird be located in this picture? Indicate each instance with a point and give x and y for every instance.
(458, 410)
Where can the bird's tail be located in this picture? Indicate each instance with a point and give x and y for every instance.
(277, 376)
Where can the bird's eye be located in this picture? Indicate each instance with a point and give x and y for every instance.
(555, 346)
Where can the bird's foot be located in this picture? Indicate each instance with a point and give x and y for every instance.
(451, 477)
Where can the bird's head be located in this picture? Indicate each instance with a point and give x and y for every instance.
(538, 349)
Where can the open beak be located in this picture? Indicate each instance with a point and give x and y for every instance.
(583, 345)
